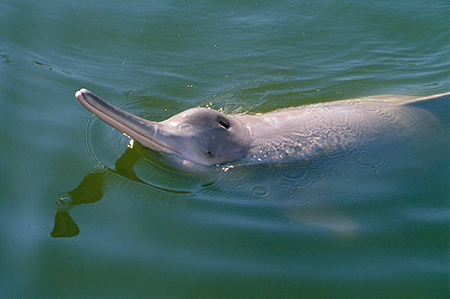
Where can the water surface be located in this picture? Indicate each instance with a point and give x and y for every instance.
(370, 224)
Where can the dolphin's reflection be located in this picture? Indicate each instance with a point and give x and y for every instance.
(90, 190)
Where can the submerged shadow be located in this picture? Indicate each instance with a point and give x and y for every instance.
(90, 190)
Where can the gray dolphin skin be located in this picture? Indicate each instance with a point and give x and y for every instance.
(201, 136)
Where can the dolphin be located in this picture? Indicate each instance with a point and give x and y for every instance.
(202, 137)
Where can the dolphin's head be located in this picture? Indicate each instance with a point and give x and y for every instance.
(197, 136)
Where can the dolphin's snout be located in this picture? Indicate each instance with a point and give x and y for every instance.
(82, 95)
(141, 130)
(79, 94)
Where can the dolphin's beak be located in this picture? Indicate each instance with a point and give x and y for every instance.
(143, 131)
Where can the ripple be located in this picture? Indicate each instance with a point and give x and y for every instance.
(368, 159)
(311, 193)
(301, 199)
(260, 191)
(270, 213)
(217, 44)
(4, 91)
(129, 86)
(138, 195)
(223, 191)
(145, 168)
(85, 132)
(321, 187)
(156, 59)
(287, 176)
(64, 201)
(442, 210)
(5, 58)
(352, 206)
(234, 179)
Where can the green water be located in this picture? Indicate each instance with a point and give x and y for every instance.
(245, 232)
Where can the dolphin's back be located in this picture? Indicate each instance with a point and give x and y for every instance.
(437, 105)
(306, 131)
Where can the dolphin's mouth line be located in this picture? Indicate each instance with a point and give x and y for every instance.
(127, 123)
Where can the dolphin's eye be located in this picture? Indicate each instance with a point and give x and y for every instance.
(210, 152)
(224, 123)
